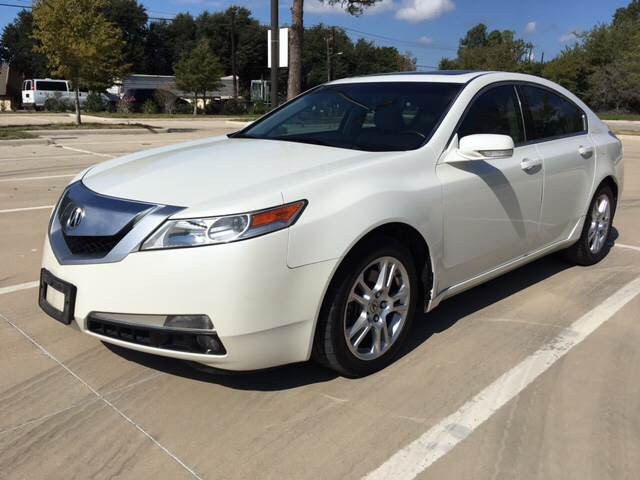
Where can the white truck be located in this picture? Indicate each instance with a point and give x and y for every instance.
(35, 92)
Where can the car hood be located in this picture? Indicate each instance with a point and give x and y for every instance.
(217, 175)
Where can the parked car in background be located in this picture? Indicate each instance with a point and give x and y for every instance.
(326, 227)
(35, 92)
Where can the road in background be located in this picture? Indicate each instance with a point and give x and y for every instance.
(76, 408)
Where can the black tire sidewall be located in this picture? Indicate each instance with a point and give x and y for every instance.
(349, 363)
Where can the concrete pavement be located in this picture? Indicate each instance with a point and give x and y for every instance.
(76, 408)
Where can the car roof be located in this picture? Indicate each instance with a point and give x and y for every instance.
(436, 76)
(442, 76)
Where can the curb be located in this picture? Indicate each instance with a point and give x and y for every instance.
(98, 131)
(25, 141)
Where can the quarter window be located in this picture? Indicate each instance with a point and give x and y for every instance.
(549, 115)
(494, 111)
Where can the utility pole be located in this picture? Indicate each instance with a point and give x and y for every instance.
(328, 40)
(234, 72)
(275, 34)
(331, 44)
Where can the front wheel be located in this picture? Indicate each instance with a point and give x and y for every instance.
(368, 309)
(593, 244)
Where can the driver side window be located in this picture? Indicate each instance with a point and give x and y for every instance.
(494, 111)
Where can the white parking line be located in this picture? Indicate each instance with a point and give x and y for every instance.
(26, 209)
(17, 288)
(103, 399)
(24, 179)
(630, 247)
(106, 155)
(432, 445)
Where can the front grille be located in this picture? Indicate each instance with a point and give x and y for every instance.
(202, 343)
(97, 246)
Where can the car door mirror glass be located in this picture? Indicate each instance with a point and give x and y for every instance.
(485, 146)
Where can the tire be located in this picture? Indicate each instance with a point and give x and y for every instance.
(594, 242)
(386, 307)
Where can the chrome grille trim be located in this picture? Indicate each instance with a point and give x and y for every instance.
(139, 218)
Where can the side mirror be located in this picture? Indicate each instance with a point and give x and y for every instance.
(485, 146)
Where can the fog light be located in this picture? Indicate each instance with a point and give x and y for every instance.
(199, 322)
(209, 343)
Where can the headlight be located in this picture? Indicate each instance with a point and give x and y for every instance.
(193, 232)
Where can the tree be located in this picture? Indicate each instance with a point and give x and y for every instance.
(495, 50)
(131, 18)
(17, 47)
(603, 68)
(198, 72)
(294, 84)
(238, 40)
(79, 42)
(296, 35)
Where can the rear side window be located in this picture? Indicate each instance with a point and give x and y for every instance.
(549, 115)
(494, 111)
(51, 86)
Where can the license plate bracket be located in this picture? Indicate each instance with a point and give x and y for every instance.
(48, 280)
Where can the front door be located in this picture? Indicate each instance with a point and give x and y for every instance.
(491, 207)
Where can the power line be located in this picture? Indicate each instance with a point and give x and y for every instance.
(400, 40)
(14, 5)
(366, 34)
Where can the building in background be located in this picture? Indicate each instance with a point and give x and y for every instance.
(139, 82)
(10, 81)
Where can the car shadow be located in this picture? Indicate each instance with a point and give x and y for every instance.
(296, 375)
(450, 311)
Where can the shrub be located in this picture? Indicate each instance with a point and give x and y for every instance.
(53, 104)
(124, 105)
(183, 108)
(258, 108)
(233, 107)
(214, 107)
(150, 106)
(94, 103)
(165, 99)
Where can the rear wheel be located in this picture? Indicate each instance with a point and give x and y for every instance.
(368, 309)
(593, 244)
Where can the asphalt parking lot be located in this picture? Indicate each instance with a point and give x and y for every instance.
(73, 407)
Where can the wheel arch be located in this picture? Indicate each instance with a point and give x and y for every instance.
(400, 231)
(404, 233)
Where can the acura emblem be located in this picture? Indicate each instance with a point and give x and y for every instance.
(75, 217)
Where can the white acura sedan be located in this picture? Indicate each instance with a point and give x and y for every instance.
(327, 226)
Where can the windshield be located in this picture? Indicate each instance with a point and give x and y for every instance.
(383, 116)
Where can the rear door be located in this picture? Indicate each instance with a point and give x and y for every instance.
(491, 207)
(27, 93)
(558, 129)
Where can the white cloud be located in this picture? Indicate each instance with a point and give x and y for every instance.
(423, 40)
(530, 27)
(316, 6)
(415, 11)
(570, 37)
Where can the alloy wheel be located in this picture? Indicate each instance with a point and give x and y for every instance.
(600, 224)
(377, 308)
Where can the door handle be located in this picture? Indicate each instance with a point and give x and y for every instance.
(528, 164)
(585, 152)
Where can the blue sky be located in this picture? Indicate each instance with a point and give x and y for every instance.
(430, 29)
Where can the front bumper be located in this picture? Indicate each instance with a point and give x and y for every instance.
(263, 311)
